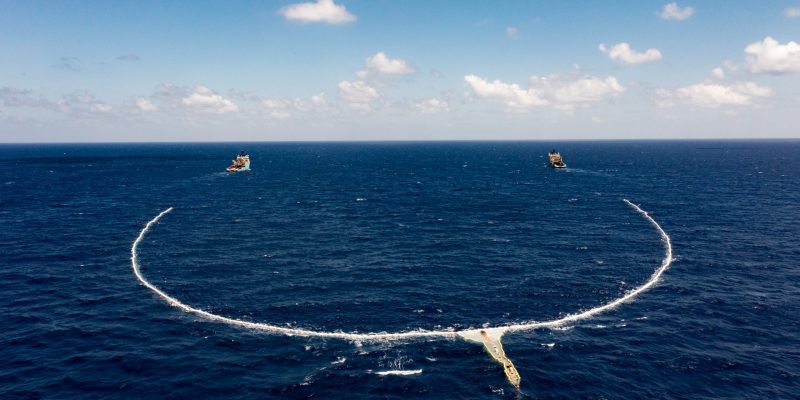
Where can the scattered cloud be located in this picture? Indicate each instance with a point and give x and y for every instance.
(770, 57)
(78, 103)
(100, 108)
(511, 31)
(792, 12)
(129, 57)
(623, 54)
(206, 100)
(82, 104)
(14, 97)
(380, 64)
(145, 105)
(718, 73)
(170, 93)
(277, 109)
(730, 65)
(432, 106)
(569, 92)
(177, 102)
(168, 99)
(714, 95)
(511, 94)
(323, 11)
(674, 12)
(68, 64)
(316, 102)
(560, 92)
(358, 95)
(283, 109)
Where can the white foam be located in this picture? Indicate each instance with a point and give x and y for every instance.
(416, 334)
(400, 372)
(563, 328)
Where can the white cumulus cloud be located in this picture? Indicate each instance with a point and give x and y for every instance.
(623, 54)
(513, 95)
(145, 105)
(358, 95)
(792, 12)
(560, 92)
(718, 73)
(673, 11)
(277, 109)
(432, 106)
(323, 11)
(567, 93)
(319, 100)
(100, 108)
(204, 99)
(283, 109)
(714, 95)
(316, 102)
(381, 64)
(770, 57)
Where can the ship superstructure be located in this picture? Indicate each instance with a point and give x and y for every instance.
(555, 160)
(241, 163)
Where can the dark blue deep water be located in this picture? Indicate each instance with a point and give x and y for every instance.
(374, 237)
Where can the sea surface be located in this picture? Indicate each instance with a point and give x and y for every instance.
(392, 237)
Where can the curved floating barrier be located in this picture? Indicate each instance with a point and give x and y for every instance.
(488, 337)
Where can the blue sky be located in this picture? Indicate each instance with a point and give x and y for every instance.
(397, 70)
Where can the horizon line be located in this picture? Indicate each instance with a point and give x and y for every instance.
(279, 141)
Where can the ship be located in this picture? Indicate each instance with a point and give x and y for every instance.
(241, 163)
(555, 160)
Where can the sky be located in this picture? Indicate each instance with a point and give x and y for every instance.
(143, 71)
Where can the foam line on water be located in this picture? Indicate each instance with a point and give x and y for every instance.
(417, 334)
(402, 372)
(665, 263)
(258, 325)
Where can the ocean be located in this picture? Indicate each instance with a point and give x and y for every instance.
(393, 237)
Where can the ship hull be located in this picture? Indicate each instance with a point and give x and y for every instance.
(245, 167)
(555, 161)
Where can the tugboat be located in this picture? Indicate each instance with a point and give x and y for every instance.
(241, 163)
(555, 160)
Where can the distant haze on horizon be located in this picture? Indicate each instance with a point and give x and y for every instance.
(147, 71)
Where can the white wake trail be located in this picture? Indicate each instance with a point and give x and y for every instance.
(379, 336)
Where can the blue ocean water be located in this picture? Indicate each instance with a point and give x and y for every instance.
(388, 237)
